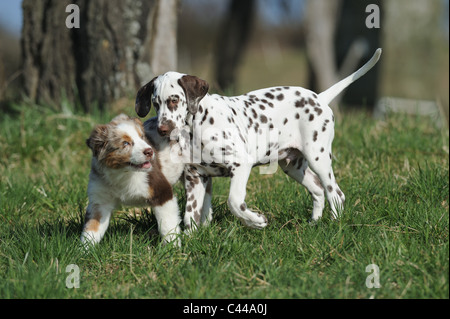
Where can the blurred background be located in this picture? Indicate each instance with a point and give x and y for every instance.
(236, 45)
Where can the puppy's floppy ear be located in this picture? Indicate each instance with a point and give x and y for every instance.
(97, 141)
(144, 98)
(195, 90)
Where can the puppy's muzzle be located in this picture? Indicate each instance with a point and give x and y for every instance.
(166, 127)
(148, 152)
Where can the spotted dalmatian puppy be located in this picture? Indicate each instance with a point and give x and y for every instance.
(229, 135)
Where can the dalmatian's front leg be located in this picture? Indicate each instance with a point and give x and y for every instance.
(195, 186)
(207, 211)
(236, 199)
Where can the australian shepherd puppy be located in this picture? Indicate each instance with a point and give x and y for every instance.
(125, 170)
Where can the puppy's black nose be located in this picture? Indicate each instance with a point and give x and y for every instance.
(148, 152)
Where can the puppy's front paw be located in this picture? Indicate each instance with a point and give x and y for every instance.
(89, 238)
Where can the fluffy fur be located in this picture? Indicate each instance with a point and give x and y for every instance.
(126, 170)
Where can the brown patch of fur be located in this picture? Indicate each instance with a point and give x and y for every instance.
(160, 190)
(209, 187)
(92, 220)
(194, 89)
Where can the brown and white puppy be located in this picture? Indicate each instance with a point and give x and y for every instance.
(125, 170)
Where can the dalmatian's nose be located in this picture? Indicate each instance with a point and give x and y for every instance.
(163, 130)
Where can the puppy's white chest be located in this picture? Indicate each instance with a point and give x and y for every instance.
(171, 166)
(132, 188)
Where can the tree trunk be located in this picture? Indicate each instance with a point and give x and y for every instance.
(47, 52)
(109, 47)
(338, 42)
(108, 57)
(351, 30)
(2, 80)
(232, 41)
(164, 40)
(321, 20)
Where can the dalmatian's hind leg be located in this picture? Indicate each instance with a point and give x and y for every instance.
(317, 152)
(320, 164)
(298, 170)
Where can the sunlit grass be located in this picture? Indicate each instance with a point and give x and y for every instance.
(394, 174)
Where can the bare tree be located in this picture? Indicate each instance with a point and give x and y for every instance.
(355, 43)
(232, 40)
(108, 57)
(336, 41)
(47, 51)
(2, 80)
(164, 48)
(321, 22)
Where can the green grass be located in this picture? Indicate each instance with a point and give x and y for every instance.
(394, 174)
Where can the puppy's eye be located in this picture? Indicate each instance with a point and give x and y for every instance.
(125, 144)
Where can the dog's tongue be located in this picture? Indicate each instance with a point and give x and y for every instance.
(146, 165)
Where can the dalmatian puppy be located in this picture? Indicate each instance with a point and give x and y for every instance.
(291, 126)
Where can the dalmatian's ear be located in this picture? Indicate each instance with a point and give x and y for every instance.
(144, 99)
(195, 90)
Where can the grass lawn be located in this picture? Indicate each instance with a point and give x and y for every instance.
(394, 174)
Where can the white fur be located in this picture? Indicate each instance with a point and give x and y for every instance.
(168, 218)
(170, 167)
(327, 96)
(303, 146)
(108, 188)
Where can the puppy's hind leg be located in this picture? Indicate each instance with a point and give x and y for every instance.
(321, 165)
(300, 172)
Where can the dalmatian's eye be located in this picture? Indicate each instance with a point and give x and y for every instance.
(175, 99)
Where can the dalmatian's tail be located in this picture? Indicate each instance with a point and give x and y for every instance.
(327, 96)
